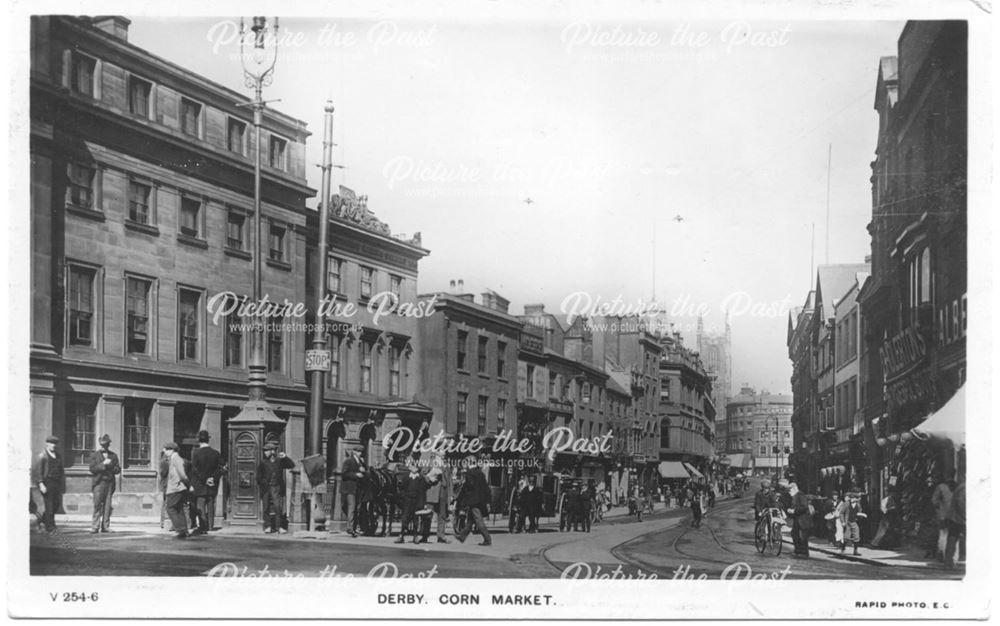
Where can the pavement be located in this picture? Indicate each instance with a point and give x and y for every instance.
(616, 527)
(903, 556)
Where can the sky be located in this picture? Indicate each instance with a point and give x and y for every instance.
(686, 161)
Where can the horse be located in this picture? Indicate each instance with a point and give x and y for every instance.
(378, 500)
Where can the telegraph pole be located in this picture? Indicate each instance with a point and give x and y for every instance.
(318, 359)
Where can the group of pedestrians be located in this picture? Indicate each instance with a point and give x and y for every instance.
(528, 502)
(577, 508)
(190, 488)
(48, 484)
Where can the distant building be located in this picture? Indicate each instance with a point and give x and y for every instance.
(715, 350)
(760, 432)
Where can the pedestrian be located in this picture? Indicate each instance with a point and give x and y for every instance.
(850, 514)
(575, 503)
(207, 469)
(533, 503)
(711, 495)
(888, 533)
(178, 485)
(587, 506)
(48, 483)
(351, 473)
(439, 494)
(104, 467)
(517, 510)
(271, 484)
(164, 470)
(696, 510)
(475, 498)
(413, 498)
(834, 531)
(941, 501)
(955, 521)
(801, 513)
(638, 498)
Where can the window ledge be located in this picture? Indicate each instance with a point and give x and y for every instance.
(139, 471)
(483, 375)
(237, 253)
(142, 228)
(281, 265)
(192, 241)
(93, 214)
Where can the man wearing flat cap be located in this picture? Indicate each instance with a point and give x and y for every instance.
(104, 467)
(206, 472)
(48, 480)
(177, 489)
(271, 482)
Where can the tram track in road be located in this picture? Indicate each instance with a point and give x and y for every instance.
(617, 550)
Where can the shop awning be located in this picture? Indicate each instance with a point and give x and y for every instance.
(694, 473)
(948, 422)
(672, 469)
(740, 460)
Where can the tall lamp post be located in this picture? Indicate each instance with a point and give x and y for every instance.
(256, 423)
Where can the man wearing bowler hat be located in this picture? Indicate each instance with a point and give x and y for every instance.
(48, 478)
(206, 472)
(104, 467)
(351, 473)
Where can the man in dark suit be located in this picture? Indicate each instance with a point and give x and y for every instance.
(801, 519)
(531, 500)
(352, 471)
(413, 497)
(475, 497)
(206, 472)
(48, 477)
(271, 482)
(104, 467)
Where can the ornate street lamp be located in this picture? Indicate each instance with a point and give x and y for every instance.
(256, 423)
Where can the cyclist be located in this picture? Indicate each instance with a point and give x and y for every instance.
(764, 499)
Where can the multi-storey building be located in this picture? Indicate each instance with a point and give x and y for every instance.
(914, 305)
(715, 350)
(801, 351)
(375, 375)
(812, 347)
(141, 180)
(470, 373)
(761, 432)
(840, 471)
(687, 428)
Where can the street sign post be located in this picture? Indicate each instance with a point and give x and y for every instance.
(318, 360)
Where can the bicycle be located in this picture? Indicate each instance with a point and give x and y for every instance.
(767, 531)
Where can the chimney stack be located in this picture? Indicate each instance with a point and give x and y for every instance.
(461, 285)
(495, 301)
(114, 25)
(451, 285)
(534, 309)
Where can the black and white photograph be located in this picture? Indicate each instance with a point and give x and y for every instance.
(500, 310)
